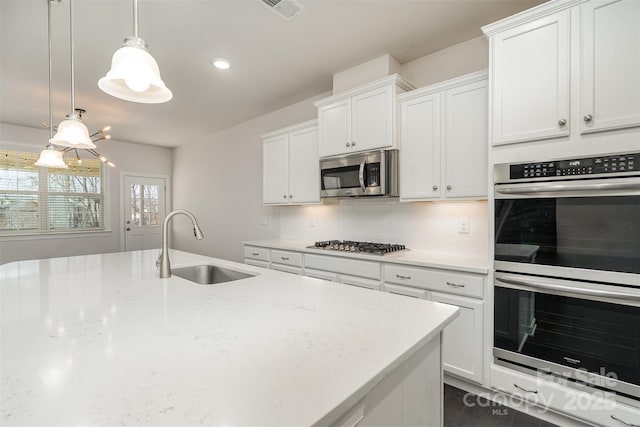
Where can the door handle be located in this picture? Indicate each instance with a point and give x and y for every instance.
(361, 175)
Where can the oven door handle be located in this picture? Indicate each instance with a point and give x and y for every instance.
(631, 185)
(561, 286)
(361, 174)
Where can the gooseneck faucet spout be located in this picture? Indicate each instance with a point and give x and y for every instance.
(163, 261)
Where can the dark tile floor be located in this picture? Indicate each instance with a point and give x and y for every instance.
(475, 411)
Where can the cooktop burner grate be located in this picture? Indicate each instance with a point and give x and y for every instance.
(360, 247)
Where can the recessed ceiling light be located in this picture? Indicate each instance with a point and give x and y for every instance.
(221, 63)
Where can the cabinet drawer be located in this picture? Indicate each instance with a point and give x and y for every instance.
(360, 282)
(406, 291)
(286, 258)
(349, 266)
(257, 263)
(436, 280)
(287, 269)
(254, 252)
(318, 274)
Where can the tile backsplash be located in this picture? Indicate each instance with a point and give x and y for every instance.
(432, 226)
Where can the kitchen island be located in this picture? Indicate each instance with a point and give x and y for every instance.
(102, 340)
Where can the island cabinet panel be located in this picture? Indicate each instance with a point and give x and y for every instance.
(466, 284)
(411, 395)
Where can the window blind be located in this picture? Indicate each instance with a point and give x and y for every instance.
(43, 200)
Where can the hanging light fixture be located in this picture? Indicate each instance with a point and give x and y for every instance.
(134, 74)
(71, 131)
(50, 157)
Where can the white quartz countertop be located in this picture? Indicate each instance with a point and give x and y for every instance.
(433, 259)
(102, 340)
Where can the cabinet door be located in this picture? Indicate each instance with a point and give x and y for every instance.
(304, 166)
(372, 119)
(420, 148)
(610, 90)
(462, 344)
(334, 128)
(275, 166)
(465, 141)
(530, 65)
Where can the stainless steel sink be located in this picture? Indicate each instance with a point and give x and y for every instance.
(207, 274)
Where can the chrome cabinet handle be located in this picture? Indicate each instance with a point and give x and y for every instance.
(284, 196)
(353, 144)
(284, 258)
(524, 389)
(290, 196)
(400, 276)
(562, 122)
(570, 360)
(128, 228)
(348, 145)
(455, 285)
(255, 253)
(613, 417)
(435, 187)
(449, 187)
(588, 118)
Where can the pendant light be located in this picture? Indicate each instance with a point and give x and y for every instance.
(134, 75)
(72, 132)
(50, 157)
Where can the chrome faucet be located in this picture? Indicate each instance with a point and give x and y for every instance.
(163, 260)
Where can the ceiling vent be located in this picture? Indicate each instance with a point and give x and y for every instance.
(287, 9)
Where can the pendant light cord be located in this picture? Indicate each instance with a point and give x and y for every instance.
(73, 90)
(135, 18)
(50, 98)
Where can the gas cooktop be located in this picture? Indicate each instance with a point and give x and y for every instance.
(368, 248)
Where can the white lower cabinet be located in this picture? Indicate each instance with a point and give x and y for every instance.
(462, 346)
(550, 395)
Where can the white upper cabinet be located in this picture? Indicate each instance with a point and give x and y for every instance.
(530, 66)
(443, 137)
(465, 140)
(291, 168)
(610, 90)
(567, 71)
(420, 154)
(359, 119)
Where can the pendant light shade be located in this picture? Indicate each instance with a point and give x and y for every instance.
(72, 133)
(134, 75)
(51, 158)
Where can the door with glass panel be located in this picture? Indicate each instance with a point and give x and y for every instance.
(144, 211)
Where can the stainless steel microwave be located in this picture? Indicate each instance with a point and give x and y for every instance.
(372, 173)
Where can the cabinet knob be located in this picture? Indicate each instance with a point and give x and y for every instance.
(353, 144)
(562, 122)
(348, 145)
(284, 196)
(588, 118)
(290, 196)
(449, 187)
(435, 187)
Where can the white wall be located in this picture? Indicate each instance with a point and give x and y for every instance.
(219, 179)
(127, 157)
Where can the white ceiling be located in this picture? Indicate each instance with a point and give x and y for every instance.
(275, 62)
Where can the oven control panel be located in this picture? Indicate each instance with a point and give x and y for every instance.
(587, 166)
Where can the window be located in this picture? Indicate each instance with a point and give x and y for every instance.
(43, 200)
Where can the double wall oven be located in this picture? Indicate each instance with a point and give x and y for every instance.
(567, 271)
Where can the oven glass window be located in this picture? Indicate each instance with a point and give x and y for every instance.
(600, 233)
(596, 336)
